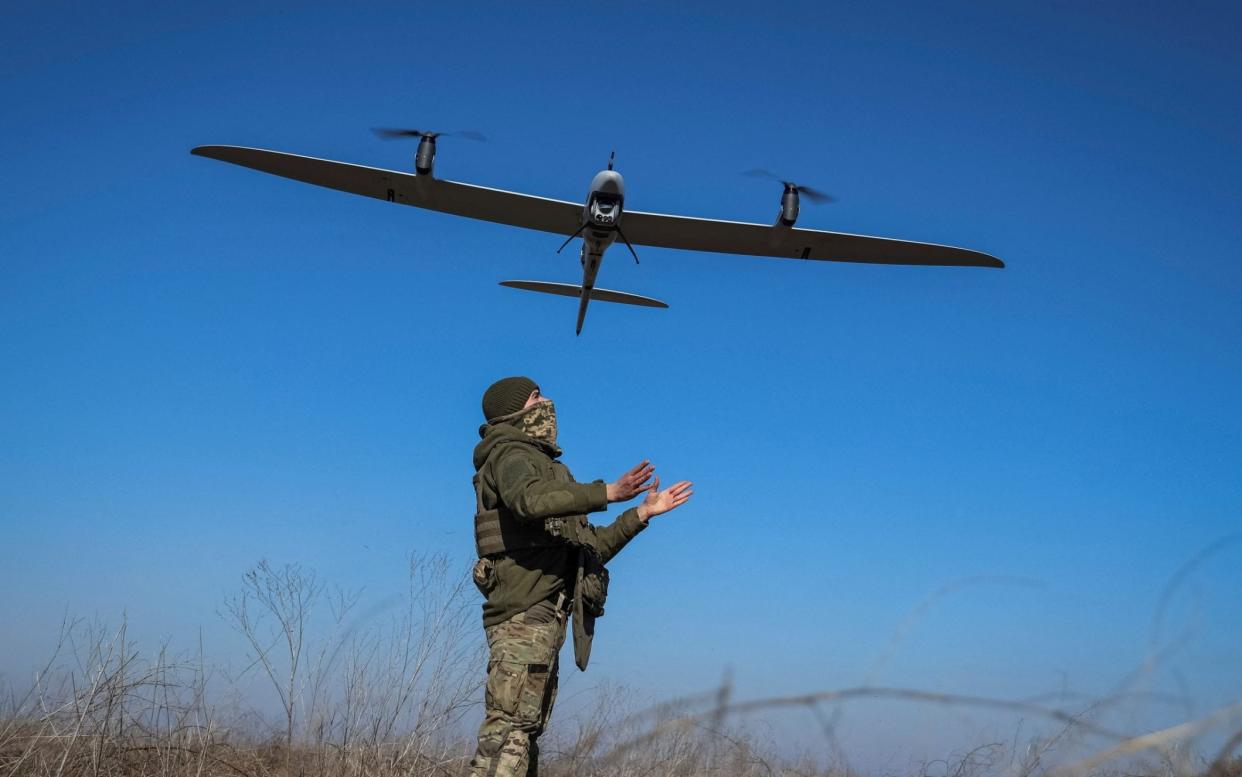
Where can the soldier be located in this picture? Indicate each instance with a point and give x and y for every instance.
(540, 560)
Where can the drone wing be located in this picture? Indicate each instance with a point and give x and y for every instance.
(735, 237)
(422, 191)
(564, 218)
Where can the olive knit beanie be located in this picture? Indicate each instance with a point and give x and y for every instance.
(506, 396)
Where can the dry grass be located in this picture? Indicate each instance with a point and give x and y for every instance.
(356, 696)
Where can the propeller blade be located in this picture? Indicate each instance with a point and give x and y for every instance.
(395, 133)
(388, 133)
(760, 173)
(815, 195)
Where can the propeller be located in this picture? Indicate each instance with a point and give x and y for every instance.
(390, 133)
(814, 195)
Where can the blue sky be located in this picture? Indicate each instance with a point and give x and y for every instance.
(205, 366)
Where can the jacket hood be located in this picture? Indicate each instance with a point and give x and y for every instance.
(499, 434)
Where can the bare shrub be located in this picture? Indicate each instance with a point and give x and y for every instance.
(369, 696)
(271, 612)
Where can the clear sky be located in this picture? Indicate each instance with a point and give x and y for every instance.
(204, 366)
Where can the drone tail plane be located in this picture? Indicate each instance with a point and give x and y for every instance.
(574, 290)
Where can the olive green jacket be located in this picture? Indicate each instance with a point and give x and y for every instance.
(522, 474)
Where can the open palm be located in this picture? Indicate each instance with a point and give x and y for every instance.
(658, 502)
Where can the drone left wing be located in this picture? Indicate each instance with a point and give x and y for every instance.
(422, 191)
(736, 237)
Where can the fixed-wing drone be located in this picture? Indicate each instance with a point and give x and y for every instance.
(599, 221)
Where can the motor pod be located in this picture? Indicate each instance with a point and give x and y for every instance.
(789, 205)
(425, 159)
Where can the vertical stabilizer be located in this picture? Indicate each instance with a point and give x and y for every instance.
(583, 301)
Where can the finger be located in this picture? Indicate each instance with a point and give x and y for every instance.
(640, 473)
(655, 486)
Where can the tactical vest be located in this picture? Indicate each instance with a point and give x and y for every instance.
(498, 530)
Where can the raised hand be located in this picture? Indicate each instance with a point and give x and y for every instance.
(632, 483)
(658, 502)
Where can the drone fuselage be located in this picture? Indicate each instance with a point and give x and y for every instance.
(601, 217)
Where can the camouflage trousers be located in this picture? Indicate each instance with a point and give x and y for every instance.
(521, 688)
